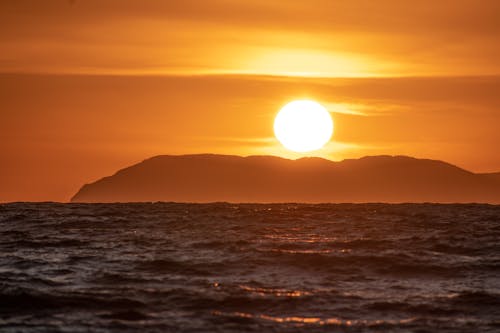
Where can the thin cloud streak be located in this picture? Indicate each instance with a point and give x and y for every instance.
(364, 110)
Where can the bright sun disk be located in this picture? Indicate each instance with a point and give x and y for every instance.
(303, 126)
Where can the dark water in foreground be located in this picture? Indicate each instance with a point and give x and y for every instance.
(260, 268)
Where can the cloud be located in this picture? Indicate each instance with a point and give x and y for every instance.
(377, 108)
(350, 109)
(322, 37)
(234, 140)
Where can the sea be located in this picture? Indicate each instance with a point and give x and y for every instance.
(221, 267)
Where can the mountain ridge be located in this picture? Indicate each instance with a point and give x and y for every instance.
(265, 178)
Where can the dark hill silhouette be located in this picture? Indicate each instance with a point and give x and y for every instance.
(210, 178)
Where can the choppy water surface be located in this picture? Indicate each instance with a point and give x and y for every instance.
(263, 268)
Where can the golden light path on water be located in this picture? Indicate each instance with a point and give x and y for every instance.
(302, 321)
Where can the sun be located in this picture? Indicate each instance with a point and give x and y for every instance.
(303, 126)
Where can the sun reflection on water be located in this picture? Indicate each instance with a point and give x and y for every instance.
(274, 291)
(302, 321)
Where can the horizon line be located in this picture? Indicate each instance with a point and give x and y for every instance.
(252, 203)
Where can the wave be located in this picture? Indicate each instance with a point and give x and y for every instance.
(25, 300)
(247, 267)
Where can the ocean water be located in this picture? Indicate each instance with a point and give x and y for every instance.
(166, 267)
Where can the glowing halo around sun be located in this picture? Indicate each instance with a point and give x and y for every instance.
(303, 126)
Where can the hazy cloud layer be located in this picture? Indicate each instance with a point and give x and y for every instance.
(317, 37)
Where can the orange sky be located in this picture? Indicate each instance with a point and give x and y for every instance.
(88, 87)
(319, 37)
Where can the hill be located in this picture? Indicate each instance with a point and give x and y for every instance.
(210, 178)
